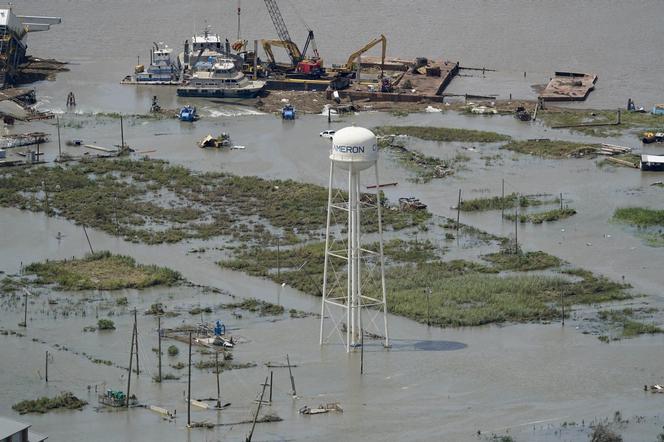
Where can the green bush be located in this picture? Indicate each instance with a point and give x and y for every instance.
(105, 324)
(173, 350)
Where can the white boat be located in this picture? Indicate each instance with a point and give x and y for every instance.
(219, 77)
(163, 68)
(202, 47)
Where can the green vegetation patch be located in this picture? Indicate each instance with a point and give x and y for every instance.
(649, 221)
(443, 134)
(628, 120)
(45, 404)
(425, 167)
(640, 216)
(153, 202)
(461, 292)
(540, 217)
(552, 148)
(630, 327)
(263, 308)
(522, 262)
(506, 202)
(101, 271)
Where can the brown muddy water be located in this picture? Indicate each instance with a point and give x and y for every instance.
(440, 384)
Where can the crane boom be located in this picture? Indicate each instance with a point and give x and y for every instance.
(277, 20)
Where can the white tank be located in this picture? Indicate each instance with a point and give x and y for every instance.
(354, 147)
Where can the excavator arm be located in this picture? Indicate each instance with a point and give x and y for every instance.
(293, 50)
(351, 59)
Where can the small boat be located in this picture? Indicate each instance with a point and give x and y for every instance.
(288, 112)
(188, 113)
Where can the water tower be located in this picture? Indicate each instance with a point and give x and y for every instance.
(354, 274)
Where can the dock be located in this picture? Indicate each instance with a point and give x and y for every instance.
(569, 86)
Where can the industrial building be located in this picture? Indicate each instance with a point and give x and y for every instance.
(14, 431)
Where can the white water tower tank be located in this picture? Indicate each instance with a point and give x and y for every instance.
(354, 148)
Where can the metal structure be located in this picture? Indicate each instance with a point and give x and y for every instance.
(285, 39)
(354, 295)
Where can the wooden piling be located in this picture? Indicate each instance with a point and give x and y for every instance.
(46, 360)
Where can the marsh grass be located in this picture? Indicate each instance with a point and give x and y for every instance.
(630, 327)
(443, 134)
(462, 292)
(506, 202)
(153, 202)
(640, 216)
(101, 271)
(522, 262)
(540, 217)
(551, 148)
(45, 404)
(629, 120)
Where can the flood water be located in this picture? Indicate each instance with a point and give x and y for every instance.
(440, 384)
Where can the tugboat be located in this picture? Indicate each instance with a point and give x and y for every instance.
(188, 113)
(219, 77)
(163, 69)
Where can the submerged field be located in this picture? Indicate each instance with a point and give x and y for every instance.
(501, 287)
(649, 222)
(154, 202)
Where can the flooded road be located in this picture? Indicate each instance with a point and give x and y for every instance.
(433, 382)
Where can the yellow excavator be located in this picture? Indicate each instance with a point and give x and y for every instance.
(349, 66)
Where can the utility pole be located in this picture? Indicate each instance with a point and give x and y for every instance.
(216, 363)
(561, 201)
(292, 379)
(271, 379)
(458, 213)
(47, 366)
(159, 349)
(428, 290)
(138, 370)
(88, 238)
(516, 227)
(121, 133)
(260, 401)
(278, 259)
(57, 119)
(189, 387)
(25, 312)
(361, 351)
(238, 20)
(131, 358)
(562, 307)
(502, 201)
